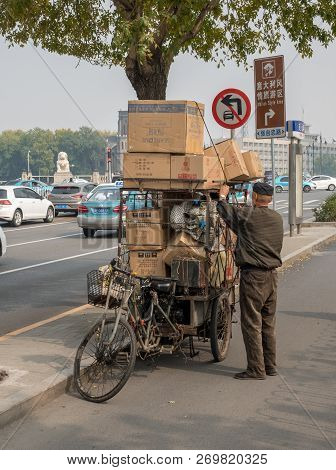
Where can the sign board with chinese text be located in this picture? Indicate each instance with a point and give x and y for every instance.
(295, 129)
(269, 81)
(231, 108)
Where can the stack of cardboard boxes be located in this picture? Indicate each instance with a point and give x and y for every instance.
(165, 152)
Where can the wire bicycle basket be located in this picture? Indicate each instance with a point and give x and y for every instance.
(99, 283)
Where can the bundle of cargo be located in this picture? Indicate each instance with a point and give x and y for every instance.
(146, 238)
(165, 147)
(238, 166)
(165, 152)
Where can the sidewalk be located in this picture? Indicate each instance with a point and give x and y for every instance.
(39, 359)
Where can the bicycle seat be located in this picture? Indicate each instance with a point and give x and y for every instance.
(161, 285)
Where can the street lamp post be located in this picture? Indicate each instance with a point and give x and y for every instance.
(28, 162)
(321, 154)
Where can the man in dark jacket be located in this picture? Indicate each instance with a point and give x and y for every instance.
(260, 237)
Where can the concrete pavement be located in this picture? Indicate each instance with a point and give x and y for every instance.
(39, 358)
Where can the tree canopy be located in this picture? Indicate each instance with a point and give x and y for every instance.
(144, 36)
(86, 149)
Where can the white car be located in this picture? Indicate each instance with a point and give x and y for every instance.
(324, 182)
(3, 243)
(18, 203)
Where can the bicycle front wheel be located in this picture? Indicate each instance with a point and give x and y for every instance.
(102, 368)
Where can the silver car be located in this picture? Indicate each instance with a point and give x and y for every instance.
(66, 197)
(3, 242)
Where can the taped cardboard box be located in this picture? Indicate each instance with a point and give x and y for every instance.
(147, 263)
(165, 126)
(234, 164)
(253, 164)
(182, 245)
(166, 171)
(144, 229)
(206, 171)
(146, 166)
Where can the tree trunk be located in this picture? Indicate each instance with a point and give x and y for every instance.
(150, 79)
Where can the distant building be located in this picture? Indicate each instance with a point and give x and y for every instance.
(313, 147)
(263, 147)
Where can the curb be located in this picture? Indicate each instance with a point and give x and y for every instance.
(307, 250)
(24, 408)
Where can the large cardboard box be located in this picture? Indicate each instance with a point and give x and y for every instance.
(147, 263)
(165, 126)
(234, 164)
(144, 229)
(166, 171)
(206, 171)
(183, 246)
(253, 164)
(146, 166)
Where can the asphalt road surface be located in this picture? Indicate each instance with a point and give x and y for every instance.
(44, 270)
(179, 403)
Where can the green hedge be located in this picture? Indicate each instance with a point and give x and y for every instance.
(327, 210)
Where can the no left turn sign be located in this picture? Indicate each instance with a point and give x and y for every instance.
(231, 108)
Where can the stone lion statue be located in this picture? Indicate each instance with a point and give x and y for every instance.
(63, 163)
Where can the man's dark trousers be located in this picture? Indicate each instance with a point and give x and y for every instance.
(258, 294)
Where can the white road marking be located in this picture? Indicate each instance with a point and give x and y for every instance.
(282, 207)
(38, 226)
(32, 266)
(310, 202)
(44, 240)
(281, 200)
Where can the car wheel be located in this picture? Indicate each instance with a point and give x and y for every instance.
(50, 215)
(17, 218)
(331, 187)
(278, 189)
(88, 232)
(306, 189)
(56, 213)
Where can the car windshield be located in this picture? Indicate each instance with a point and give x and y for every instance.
(65, 190)
(102, 195)
(3, 194)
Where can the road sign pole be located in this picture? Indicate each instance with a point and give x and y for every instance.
(295, 196)
(232, 133)
(273, 169)
(291, 188)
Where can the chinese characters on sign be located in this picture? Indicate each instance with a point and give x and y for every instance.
(270, 97)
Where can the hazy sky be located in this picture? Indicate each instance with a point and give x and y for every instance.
(31, 96)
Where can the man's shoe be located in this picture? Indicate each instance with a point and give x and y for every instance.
(271, 372)
(247, 376)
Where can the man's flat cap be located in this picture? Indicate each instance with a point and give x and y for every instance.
(263, 188)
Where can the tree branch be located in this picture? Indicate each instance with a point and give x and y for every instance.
(127, 5)
(211, 5)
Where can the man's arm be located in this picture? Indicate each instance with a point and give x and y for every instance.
(232, 215)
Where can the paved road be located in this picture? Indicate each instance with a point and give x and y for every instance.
(195, 404)
(58, 258)
(310, 201)
(44, 270)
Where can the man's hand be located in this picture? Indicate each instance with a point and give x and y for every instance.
(224, 191)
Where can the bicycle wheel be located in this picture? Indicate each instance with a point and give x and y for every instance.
(220, 327)
(100, 372)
